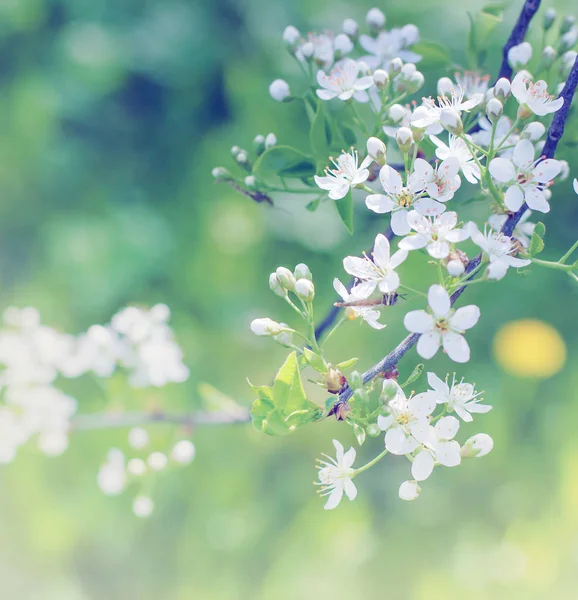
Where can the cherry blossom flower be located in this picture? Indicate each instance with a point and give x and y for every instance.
(407, 423)
(499, 249)
(519, 55)
(444, 327)
(440, 183)
(388, 45)
(458, 149)
(402, 117)
(455, 102)
(335, 476)
(344, 83)
(526, 177)
(400, 199)
(346, 174)
(472, 83)
(368, 313)
(377, 273)
(460, 398)
(534, 96)
(523, 230)
(433, 233)
(442, 448)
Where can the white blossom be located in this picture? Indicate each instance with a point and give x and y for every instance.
(344, 83)
(473, 83)
(534, 96)
(526, 178)
(279, 90)
(458, 149)
(499, 249)
(368, 313)
(454, 102)
(436, 234)
(346, 174)
(519, 55)
(443, 326)
(335, 476)
(389, 45)
(183, 452)
(523, 230)
(441, 448)
(142, 506)
(440, 183)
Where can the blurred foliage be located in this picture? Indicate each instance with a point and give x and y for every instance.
(112, 116)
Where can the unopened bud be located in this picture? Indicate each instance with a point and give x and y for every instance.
(259, 144)
(451, 121)
(242, 157)
(524, 112)
(567, 62)
(415, 82)
(334, 381)
(270, 140)
(567, 24)
(342, 45)
(375, 18)
(549, 55)
(519, 55)
(302, 272)
(266, 326)
(494, 110)
(291, 36)
(533, 131)
(549, 18)
(396, 113)
(404, 138)
(285, 338)
(307, 50)
(286, 278)
(235, 150)
(380, 78)
(305, 290)
(455, 268)
(250, 181)
(221, 174)
(409, 490)
(279, 90)
(395, 66)
(502, 88)
(377, 150)
(350, 28)
(373, 430)
(568, 40)
(276, 286)
(389, 391)
(477, 446)
(356, 380)
(445, 86)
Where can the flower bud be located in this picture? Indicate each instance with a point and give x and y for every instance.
(291, 36)
(286, 278)
(342, 45)
(377, 150)
(275, 286)
(564, 170)
(477, 446)
(334, 381)
(235, 150)
(533, 131)
(502, 88)
(157, 461)
(568, 40)
(395, 66)
(494, 110)
(136, 467)
(548, 56)
(396, 113)
(409, 490)
(307, 50)
(142, 506)
(445, 86)
(270, 140)
(266, 326)
(451, 121)
(305, 290)
(389, 391)
(524, 112)
(375, 18)
(567, 62)
(519, 55)
(250, 181)
(549, 18)
(241, 157)
(183, 452)
(285, 338)
(408, 70)
(356, 380)
(410, 34)
(302, 272)
(381, 78)
(259, 144)
(138, 438)
(567, 24)
(373, 430)
(404, 138)
(415, 82)
(455, 267)
(350, 28)
(221, 174)
(279, 90)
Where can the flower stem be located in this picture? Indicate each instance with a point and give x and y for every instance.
(569, 253)
(554, 265)
(333, 330)
(371, 463)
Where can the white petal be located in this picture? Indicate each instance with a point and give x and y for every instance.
(340, 289)
(536, 200)
(348, 458)
(428, 207)
(456, 347)
(389, 283)
(514, 198)
(397, 258)
(378, 203)
(523, 154)
(502, 170)
(418, 321)
(465, 317)
(334, 498)
(390, 180)
(413, 242)
(447, 427)
(422, 405)
(409, 490)
(428, 344)
(439, 300)
(497, 269)
(437, 384)
(422, 466)
(358, 267)
(395, 441)
(448, 454)
(338, 450)
(546, 170)
(399, 224)
(350, 488)
(381, 251)
(364, 290)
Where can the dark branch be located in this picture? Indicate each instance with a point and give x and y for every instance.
(555, 133)
(518, 34)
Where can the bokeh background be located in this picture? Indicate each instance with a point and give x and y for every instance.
(111, 118)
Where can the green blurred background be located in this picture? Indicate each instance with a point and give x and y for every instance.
(111, 118)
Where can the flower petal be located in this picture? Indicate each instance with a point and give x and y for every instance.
(465, 317)
(523, 155)
(334, 498)
(456, 347)
(418, 321)
(502, 169)
(447, 427)
(422, 466)
(399, 224)
(438, 384)
(381, 251)
(439, 300)
(378, 203)
(514, 198)
(428, 344)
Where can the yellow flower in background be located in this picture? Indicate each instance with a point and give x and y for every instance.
(529, 348)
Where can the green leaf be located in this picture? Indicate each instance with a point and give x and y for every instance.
(284, 161)
(346, 364)
(314, 360)
(345, 210)
(434, 55)
(349, 135)
(359, 434)
(536, 242)
(318, 137)
(481, 27)
(495, 8)
(540, 229)
(415, 374)
(313, 205)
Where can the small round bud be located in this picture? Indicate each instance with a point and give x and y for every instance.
(373, 430)
(549, 18)
(221, 174)
(477, 446)
(533, 131)
(279, 90)
(567, 62)
(138, 438)
(567, 24)
(549, 55)
(455, 267)
(415, 82)
(519, 55)
(157, 461)
(502, 88)
(259, 144)
(142, 506)
(409, 490)
(342, 45)
(375, 18)
(286, 278)
(302, 272)
(396, 113)
(404, 138)
(395, 66)
(350, 27)
(445, 86)
(568, 40)
(242, 157)
(377, 150)
(307, 50)
(183, 452)
(408, 70)
(275, 286)
(451, 121)
(266, 326)
(235, 150)
(356, 380)
(494, 110)
(410, 34)
(389, 391)
(380, 78)
(136, 467)
(291, 36)
(305, 290)
(270, 140)
(250, 181)
(334, 381)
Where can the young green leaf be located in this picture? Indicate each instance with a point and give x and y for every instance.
(345, 210)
